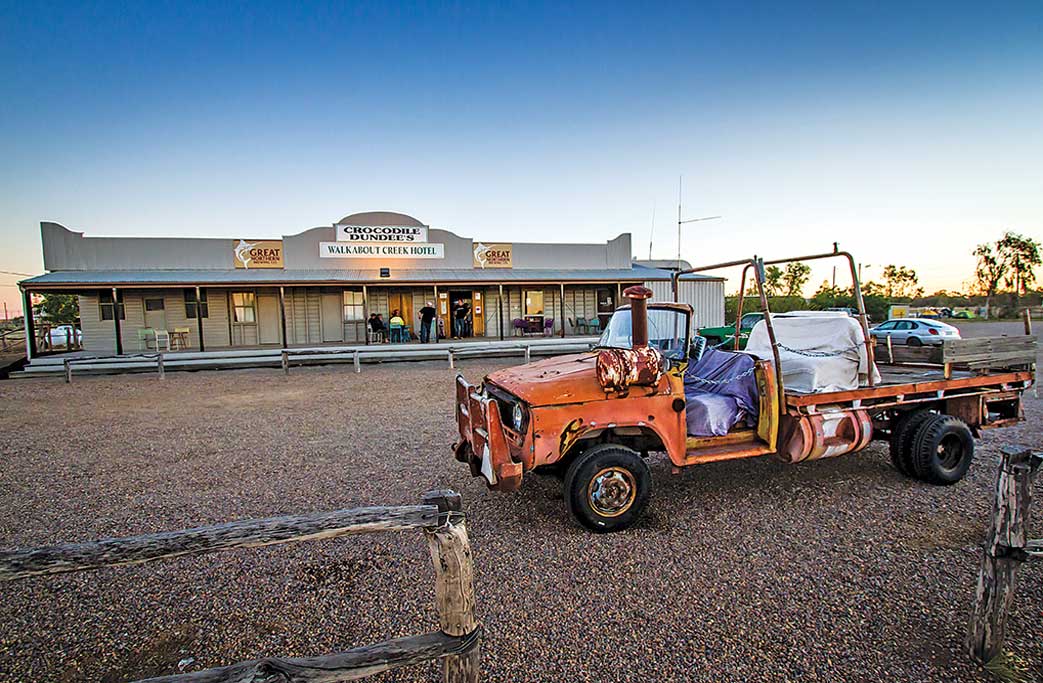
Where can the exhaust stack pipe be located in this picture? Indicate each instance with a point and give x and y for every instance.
(641, 365)
(638, 296)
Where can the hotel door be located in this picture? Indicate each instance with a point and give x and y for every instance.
(269, 329)
(332, 317)
(443, 314)
(403, 303)
(477, 314)
(155, 313)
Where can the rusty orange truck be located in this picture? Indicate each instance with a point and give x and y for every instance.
(651, 385)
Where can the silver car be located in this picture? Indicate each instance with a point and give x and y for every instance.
(915, 331)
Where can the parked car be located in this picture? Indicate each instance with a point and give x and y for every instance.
(60, 335)
(915, 331)
(718, 335)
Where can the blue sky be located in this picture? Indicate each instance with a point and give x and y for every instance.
(908, 132)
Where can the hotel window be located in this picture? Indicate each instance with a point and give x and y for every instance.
(105, 304)
(353, 306)
(243, 307)
(190, 303)
(534, 302)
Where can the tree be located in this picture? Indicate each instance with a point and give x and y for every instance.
(795, 277)
(58, 308)
(901, 282)
(988, 272)
(773, 280)
(1021, 255)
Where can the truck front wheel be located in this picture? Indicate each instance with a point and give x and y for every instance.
(607, 488)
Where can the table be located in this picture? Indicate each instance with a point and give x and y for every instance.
(179, 339)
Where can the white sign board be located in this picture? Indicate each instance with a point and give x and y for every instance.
(381, 233)
(385, 251)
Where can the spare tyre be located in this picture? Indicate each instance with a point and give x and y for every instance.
(943, 450)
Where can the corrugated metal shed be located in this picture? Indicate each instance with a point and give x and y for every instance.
(704, 295)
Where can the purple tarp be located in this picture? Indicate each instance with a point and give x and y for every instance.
(713, 409)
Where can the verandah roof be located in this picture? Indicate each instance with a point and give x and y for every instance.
(172, 278)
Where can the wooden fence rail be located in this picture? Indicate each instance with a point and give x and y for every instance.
(286, 356)
(439, 516)
(1006, 547)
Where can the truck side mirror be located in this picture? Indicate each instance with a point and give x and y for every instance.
(698, 345)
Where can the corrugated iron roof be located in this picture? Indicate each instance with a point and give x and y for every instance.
(97, 278)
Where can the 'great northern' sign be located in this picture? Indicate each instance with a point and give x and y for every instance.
(385, 251)
(257, 254)
(381, 233)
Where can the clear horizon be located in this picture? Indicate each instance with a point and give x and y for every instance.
(907, 134)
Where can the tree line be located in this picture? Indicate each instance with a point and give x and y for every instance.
(1003, 281)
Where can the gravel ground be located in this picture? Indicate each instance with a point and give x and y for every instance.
(839, 570)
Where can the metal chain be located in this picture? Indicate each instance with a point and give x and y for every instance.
(719, 382)
(819, 354)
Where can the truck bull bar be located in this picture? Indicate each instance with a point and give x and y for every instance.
(483, 444)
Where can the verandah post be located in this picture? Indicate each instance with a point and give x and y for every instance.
(454, 583)
(116, 321)
(199, 317)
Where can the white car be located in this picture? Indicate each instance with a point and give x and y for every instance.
(60, 335)
(915, 331)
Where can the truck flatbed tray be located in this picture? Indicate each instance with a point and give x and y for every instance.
(909, 383)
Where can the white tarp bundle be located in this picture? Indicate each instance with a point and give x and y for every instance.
(819, 350)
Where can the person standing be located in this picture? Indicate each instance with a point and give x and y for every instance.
(427, 317)
(460, 319)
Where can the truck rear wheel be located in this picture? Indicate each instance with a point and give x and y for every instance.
(943, 450)
(902, 434)
(607, 488)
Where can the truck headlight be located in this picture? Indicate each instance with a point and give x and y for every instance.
(518, 417)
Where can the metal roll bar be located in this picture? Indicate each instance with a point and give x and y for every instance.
(758, 270)
(856, 287)
(758, 265)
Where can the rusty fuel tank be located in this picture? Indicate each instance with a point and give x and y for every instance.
(825, 434)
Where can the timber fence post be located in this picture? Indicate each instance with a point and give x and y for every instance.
(159, 365)
(68, 371)
(1004, 550)
(451, 366)
(285, 363)
(358, 362)
(528, 352)
(454, 583)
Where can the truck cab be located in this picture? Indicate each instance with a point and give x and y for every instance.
(594, 417)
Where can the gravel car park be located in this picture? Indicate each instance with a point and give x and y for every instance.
(838, 570)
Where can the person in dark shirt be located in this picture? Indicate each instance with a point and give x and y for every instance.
(427, 317)
(377, 325)
(463, 309)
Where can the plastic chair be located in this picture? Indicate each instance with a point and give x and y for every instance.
(396, 333)
(581, 325)
(548, 327)
(162, 337)
(521, 326)
(594, 325)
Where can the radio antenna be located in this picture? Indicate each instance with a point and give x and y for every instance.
(651, 232)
